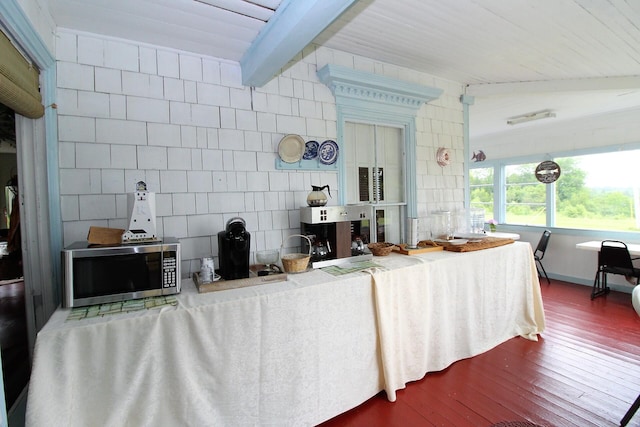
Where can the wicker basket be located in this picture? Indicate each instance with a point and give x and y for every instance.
(381, 248)
(295, 263)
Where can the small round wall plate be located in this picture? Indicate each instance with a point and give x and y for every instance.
(328, 152)
(310, 150)
(443, 156)
(291, 148)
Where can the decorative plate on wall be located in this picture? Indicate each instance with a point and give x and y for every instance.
(310, 150)
(328, 152)
(291, 148)
(443, 156)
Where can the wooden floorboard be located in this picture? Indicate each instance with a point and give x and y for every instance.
(583, 371)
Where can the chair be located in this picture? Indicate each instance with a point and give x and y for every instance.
(538, 254)
(613, 258)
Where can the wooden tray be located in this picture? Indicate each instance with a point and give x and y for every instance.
(486, 243)
(402, 248)
(252, 280)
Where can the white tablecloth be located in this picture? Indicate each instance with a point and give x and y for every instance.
(454, 307)
(291, 353)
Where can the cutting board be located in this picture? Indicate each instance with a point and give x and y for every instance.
(223, 285)
(402, 248)
(489, 242)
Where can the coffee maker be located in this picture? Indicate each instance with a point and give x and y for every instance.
(233, 250)
(338, 233)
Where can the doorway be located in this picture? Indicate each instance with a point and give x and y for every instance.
(13, 325)
(374, 160)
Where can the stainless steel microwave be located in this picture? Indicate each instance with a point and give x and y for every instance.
(103, 274)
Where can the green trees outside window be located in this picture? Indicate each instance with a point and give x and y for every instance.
(596, 191)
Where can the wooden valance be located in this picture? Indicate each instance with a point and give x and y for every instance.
(19, 81)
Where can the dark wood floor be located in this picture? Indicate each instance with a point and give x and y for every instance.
(584, 371)
(13, 340)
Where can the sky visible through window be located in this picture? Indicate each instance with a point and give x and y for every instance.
(618, 169)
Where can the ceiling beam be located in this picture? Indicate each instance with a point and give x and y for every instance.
(546, 86)
(292, 27)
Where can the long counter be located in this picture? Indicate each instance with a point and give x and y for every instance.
(296, 352)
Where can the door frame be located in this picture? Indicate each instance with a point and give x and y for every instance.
(376, 99)
(376, 205)
(39, 197)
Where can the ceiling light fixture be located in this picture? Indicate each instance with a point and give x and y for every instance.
(544, 114)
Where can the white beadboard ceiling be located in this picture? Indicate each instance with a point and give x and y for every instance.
(579, 58)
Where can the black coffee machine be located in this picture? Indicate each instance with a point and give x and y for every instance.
(233, 250)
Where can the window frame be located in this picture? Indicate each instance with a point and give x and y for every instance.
(499, 183)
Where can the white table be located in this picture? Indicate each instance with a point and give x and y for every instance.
(503, 235)
(291, 353)
(594, 245)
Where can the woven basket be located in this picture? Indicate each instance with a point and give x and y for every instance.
(381, 248)
(295, 263)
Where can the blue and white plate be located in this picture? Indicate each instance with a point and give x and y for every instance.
(310, 150)
(328, 152)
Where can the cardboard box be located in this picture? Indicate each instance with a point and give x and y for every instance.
(104, 236)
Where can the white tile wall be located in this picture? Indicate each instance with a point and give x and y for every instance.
(114, 131)
(100, 206)
(74, 128)
(168, 64)
(199, 182)
(147, 110)
(75, 76)
(190, 68)
(148, 60)
(120, 55)
(108, 80)
(211, 71)
(173, 89)
(92, 156)
(206, 144)
(123, 157)
(90, 51)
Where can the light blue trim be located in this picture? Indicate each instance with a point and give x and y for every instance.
(292, 27)
(550, 205)
(351, 113)
(309, 165)
(375, 99)
(17, 23)
(353, 86)
(499, 194)
(19, 26)
(49, 77)
(466, 101)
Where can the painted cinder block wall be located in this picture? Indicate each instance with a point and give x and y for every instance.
(207, 145)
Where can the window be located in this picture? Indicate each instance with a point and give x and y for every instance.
(599, 191)
(525, 195)
(594, 192)
(481, 190)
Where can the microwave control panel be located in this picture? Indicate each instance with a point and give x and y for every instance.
(169, 268)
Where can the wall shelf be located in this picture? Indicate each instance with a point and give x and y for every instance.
(309, 165)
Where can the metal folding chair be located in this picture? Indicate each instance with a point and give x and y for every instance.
(613, 258)
(538, 254)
